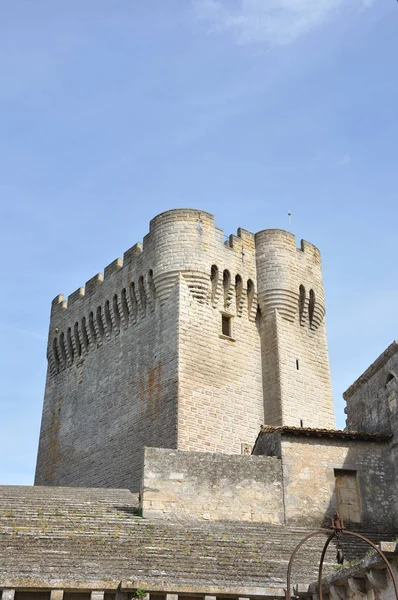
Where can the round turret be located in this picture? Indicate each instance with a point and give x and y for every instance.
(177, 240)
(289, 279)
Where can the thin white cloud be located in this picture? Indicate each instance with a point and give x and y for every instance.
(274, 22)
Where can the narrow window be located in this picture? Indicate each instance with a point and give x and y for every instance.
(108, 317)
(134, 304)
(301, 302)
(301, 423)
(141, 291)
(238, 292)
(311, 306)
(62, 348)
(214, 282)
(226, 281)
(116, 312)
(125, 306)
(77, 339)
(151, 288)
(347, 495)
(250, 296)
(86, 342)
(297, 364)
(100, 324)
(55, 354)
(91, 327)
(226, 327)
(70, 345)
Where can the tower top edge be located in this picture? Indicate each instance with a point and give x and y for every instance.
(286, 237)
(177, 214)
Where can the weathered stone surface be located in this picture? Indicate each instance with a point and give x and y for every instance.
(79, 539)
(182, 485)
(138, 357)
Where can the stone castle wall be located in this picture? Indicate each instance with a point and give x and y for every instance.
(139, 356)
(112, 380)
(309, 468)
(372, 402)
(372, 398)
(210, 487)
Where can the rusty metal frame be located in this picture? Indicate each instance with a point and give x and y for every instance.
(337, 529)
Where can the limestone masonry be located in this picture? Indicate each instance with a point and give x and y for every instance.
(190, 342)
(195, 371)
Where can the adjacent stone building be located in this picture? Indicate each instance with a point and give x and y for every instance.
(188, 440)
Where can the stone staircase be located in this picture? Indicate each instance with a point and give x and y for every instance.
(80, 538)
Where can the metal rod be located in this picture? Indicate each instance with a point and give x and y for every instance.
(331, 536)
(338, 529)
(380, 553)
(297, 548)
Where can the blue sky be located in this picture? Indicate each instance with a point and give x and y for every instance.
(111, 112)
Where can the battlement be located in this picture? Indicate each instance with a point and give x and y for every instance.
(289, 278)
(190, 341)
(287, 240)
(185, 243)
(182, 243)
(159, 240)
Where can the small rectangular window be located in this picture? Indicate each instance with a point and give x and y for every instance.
(226, 326)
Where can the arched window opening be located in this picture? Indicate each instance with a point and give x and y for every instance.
(125, 306)
(301, 302)
(100, 324)
(70, 345)
(250, 295)
(108, 317)
(214, 281)
(77, 339)
(226, 281)
(390, 379)
(238, 292)
(311, 306)
(62, 348)
(141, 291)
(86, 342)
(91, 327)
(116, 312)
(55, 354)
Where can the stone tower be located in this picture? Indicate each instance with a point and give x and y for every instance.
(190, 342)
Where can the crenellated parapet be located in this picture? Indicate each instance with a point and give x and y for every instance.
(289, 279)
(189, 341)
(235, 274)
(182, 245)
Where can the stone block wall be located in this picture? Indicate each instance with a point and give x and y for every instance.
(180, 485)
(295, 361)
(139, 356)
(372, 402)
(309, 480)
(101, 410)
(372, 398)
(220, 403)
